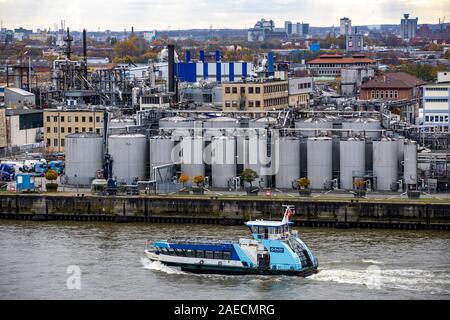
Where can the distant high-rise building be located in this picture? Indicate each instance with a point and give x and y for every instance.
(408, 27)
(288, 27)
(346, 27)
(354, 42)
(298, 28)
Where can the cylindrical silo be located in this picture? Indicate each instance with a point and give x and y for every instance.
(192, 149)
(84, 157)
(214, 127)
(410, 162)
(315, 126)
(362, 126)
(353, 161)
(320, 150)
(121, 123)
(385, 169)
(256, 157)
(288, 168)
(264, 122)
(223, 161)
(161, 148)
(129, 155)
(179, 127)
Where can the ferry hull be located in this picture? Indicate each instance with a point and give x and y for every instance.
(230, 270)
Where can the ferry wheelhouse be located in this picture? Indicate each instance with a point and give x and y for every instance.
(274, 249)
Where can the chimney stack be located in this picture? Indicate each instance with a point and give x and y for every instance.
(171, 62)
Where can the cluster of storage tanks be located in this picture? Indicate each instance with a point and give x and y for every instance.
(220, 148)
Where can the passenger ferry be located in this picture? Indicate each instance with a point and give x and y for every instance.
(275, 249)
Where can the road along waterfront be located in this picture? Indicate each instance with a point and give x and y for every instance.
(74, 260)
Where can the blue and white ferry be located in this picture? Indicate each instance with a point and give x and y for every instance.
(275, 249)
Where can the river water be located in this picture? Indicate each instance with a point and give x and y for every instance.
(35, 259)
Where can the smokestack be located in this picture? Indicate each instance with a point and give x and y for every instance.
(85, 58)
(171, 61)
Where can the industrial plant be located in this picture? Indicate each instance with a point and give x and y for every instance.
(187, 118)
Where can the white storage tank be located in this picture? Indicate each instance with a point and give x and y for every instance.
(161, 148)
(288, 168)
(84, 157)
(353, 161)
(179, 127)
(320, 125)
(264, 122)
(129, 154)
(320, 170)
(192, 164)
(214, 126)
(410, 162)
(223, 161)
(362, 126)
(121, 123)
(385, 168)
(256, 157)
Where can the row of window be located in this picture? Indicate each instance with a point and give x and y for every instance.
(337, 65)
(276, 102)
(436, 100)
(69, 130)
(304, 85)
(250, 90)
(384, 94)
(436, 89)
(77, 118)
(155, 100)
(276, 88)
(436, 118)
(204, 254)
(323, 72)
(55, 142)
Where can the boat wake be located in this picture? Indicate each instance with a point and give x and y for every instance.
(397, 279)
(158, 266)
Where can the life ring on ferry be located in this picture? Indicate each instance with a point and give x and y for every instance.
(202, 262)
(219, 263)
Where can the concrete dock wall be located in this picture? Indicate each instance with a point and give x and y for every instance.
(309, 212)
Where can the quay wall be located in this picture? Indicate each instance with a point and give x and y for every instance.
(226, 211)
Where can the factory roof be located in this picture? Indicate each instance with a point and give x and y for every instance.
(400, 80)
(18, 112)
(337, 58)
(19, 91)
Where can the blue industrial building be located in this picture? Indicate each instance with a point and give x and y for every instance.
(217, 71)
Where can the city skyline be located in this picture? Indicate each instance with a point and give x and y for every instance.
(146, 15)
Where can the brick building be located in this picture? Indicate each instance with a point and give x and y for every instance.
(399, 87)
(332, 64)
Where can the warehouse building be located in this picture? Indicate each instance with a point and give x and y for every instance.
(18, 98)
(23, 127)
(436, 103)
(257, 95)
(59, 123)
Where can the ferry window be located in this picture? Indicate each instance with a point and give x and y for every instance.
(189, 253)
(226, 255)
(209, 255)
(200, 254)
(254, 229)
(217, 254)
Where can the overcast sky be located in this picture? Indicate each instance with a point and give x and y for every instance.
(186, 14)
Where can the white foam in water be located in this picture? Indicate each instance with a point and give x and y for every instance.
(158, 266)
(403, 279)
(372, 261)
